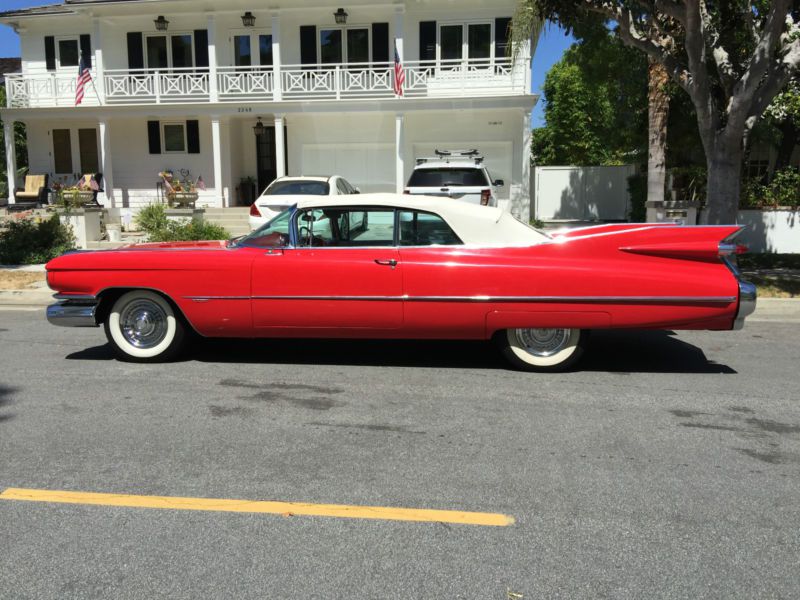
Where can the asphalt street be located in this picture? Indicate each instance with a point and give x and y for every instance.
(667, 467)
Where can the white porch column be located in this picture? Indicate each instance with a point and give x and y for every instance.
(11, 158)
(216, 148)
(280, 146)
(399, 14)
(277, 84)
(524, 209)
(98, 78)
(213, 94)
(105, 160)
(399, 142)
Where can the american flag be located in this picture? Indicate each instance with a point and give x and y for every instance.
(84, 77)
(399, 74)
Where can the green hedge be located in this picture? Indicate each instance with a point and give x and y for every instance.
(26, 242)
(153, 220)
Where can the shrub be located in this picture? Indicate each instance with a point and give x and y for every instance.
(25, 242)
(154, 222)
(783, 190)
(637, 190)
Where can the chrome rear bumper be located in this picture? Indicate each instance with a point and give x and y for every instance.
(747, 303)
(73, 311)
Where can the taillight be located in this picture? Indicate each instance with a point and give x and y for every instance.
(485, 195)
(742, 249)
(728, 249)
(254, 210)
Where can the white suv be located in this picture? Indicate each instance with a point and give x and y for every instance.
(457, 174)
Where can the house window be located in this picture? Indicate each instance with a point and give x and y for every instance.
(252, 50)
(68, 52)
(62, 151)
(174, 51)
(344, 45)
(174, 136)
(474, 41)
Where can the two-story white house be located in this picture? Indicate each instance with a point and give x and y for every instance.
(241, 89)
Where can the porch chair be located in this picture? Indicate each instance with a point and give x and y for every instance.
(32, 195)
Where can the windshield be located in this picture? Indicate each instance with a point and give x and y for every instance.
(292, 188)
(274, 234)
(447, 177)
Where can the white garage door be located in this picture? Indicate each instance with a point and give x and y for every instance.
(498, 157)
(368, 166)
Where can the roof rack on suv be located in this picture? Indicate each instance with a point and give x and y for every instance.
(446, 155)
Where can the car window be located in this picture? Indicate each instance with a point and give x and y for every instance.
(345, 227)
(447, 177)
(290, 188)
(274, 234)
(425, 229)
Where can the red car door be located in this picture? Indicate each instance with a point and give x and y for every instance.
(343, 278)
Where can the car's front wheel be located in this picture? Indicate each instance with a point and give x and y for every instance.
(542, 349)
(143, 327)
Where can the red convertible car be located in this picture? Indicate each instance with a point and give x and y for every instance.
(399, 266)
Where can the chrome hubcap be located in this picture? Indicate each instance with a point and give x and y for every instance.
(542, 342)
(143, 323)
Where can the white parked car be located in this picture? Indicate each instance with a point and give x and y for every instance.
(457, 174)
(286, 191)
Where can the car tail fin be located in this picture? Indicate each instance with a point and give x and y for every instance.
(690, 243)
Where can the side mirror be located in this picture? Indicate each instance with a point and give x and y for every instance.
(499, 183)
(307, 217)
(357, 190)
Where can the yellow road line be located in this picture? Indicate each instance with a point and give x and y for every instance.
(261, 506)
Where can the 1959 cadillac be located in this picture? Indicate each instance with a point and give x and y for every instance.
(395, 266)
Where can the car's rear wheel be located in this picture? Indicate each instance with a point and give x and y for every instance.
(143, 327)
(542, 349)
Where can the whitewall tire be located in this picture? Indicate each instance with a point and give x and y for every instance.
(542, 349)
(143, 327)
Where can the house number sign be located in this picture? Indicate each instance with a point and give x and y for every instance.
(245, 109)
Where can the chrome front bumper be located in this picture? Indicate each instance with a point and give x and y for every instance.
(747, 303)
(73, 311)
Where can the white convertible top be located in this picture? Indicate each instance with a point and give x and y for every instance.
(474, 224)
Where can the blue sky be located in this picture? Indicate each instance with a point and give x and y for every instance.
(552, 44)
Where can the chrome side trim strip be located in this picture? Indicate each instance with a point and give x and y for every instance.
(77, 299)
(519, 299)
(207, 298)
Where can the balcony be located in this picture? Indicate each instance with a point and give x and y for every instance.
(442, 79)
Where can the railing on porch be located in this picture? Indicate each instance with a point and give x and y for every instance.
(143, 86)
(435, 79)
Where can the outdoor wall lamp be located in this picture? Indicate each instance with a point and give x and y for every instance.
(248, 19)
(340, 16)
(259, 128)
(161, 23)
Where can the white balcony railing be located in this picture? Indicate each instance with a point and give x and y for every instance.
(124, 86)
(440, 79)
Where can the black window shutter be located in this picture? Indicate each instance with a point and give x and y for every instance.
(154, 137)
(135, 50)
(427, 40)
(193, 136)
(50, 52)
(380, 43)
(201, 47)
(86, 50)
(502, 31)
(308, 44)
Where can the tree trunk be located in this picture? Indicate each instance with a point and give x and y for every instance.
(658, 112)
(724, 163)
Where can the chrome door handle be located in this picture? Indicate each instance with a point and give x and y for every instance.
(386, 262)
